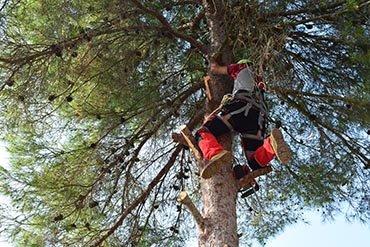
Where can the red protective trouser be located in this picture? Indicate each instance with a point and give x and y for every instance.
(264, 154)
(208, 144)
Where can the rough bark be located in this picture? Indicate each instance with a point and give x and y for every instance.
(219, 192)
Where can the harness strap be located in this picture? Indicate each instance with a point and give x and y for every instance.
(260, 119)
(248, 107)
(253, 99)
(251, 103)
(260, 105)
(226, 122)
(244, 109)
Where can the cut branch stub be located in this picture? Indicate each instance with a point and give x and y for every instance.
(207, 80)
(247, 180)
(190, 140)
(184, 198)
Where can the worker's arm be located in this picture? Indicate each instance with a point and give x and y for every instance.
(217, 69)
(231, 69)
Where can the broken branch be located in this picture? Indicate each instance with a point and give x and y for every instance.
(184, 198)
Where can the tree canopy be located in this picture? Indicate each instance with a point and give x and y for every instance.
(92, 90)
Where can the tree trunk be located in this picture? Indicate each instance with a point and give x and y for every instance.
(219, 192)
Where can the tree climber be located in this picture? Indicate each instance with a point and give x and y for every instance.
(244, 112)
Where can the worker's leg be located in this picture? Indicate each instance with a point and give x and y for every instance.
(262, 155)
(212, 150)
(247, 125)
(207, 135)
(208, 143)
(249, 147)
(273, 146)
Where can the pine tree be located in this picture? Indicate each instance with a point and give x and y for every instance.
(91, 92)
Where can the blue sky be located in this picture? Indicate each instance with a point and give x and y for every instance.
(339, 233)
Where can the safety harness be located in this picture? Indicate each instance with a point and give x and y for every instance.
(254, 99)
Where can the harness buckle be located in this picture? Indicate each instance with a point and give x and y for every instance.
(262, 86)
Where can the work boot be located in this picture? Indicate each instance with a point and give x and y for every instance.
(215, 164)
(280, 147)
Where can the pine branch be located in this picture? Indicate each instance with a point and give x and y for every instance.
(140, 199)
(297, 93)
(306, 10)
(351, 146)
(4, 5)
(184, 198)
(168, 27)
